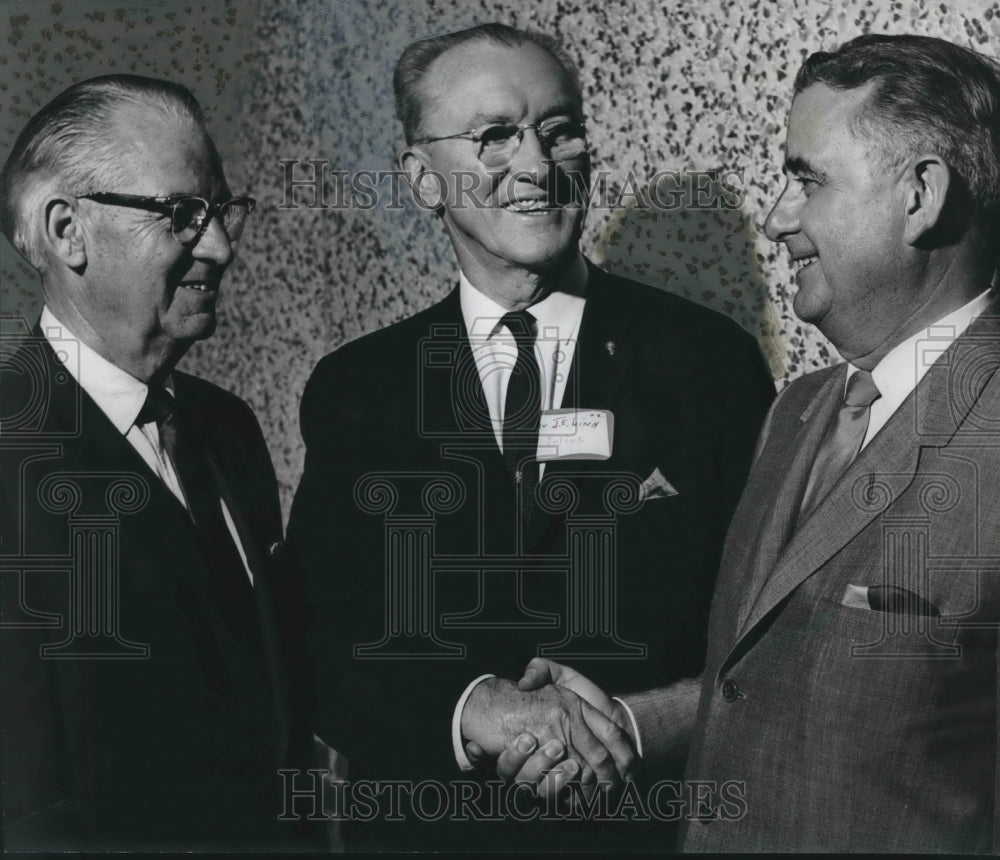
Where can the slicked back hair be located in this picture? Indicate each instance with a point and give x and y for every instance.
(929, 95)
(71, 144)
(415, 61)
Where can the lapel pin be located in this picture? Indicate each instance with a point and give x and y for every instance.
(610, 347)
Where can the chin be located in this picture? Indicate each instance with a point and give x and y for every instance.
(200, 328)
(544, 256)
(207, 330)
(809, 306)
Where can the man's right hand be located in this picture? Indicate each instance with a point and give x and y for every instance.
(498, 713)
(539, 764)
(540, 672)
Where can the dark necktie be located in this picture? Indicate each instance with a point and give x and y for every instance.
(229, 583)
(522, 411)
(842, 441)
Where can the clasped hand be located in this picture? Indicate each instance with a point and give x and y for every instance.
(553, 728)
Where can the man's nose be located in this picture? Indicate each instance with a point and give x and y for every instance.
(531, 154)
(783, 219)
(214, 244)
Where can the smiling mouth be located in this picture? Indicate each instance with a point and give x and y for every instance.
(200, 286)
(804, 262)
(539, 204)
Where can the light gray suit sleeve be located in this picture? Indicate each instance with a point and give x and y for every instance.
(665, 718)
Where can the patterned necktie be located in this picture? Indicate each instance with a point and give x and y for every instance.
(522, 411)
(229, 582)
(842, 441)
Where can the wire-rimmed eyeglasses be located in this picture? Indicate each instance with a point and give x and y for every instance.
(562, 138)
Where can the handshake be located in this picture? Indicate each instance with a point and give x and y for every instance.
(553, 728)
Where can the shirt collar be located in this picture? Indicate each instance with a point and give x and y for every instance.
(902, 368)
(119, 395)
(558, 309)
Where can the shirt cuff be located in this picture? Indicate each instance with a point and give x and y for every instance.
(456, 725)
(635, 725)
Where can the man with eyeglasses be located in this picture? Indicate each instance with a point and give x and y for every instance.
(448, 520)
(148, 699)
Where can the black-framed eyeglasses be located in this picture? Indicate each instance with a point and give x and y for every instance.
(189, 216)
(562, 138)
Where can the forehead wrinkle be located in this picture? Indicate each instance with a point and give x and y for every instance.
(567, 109)
(191, 157)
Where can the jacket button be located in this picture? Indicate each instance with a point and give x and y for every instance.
(730, 690)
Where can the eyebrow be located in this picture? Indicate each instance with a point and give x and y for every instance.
(800, 167)
(479, 119)
(569, 109)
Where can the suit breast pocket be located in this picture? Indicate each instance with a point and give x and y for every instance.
(899, 626)
(656, 486)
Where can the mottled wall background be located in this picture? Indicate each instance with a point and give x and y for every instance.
(683, 86)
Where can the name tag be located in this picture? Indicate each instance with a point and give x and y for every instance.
(575, 434)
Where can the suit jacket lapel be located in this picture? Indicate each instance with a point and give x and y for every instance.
(604, 352)
(458, 408)
(776, 519)
(97, 442)
(600, 364)
(251, 532)
(929, 417)
(264, 598)
(452, 408)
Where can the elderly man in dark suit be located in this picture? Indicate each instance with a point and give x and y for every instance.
(147, 702)
(544, 462)
(851, 684)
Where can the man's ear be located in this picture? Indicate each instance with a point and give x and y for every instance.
(424, 182)
(64, 232)
(928, 179)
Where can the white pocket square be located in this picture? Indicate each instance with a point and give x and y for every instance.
(656, 487)
(887, 598)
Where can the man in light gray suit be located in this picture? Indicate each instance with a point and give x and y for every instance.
(851, 683)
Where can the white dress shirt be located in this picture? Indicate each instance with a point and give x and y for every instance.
(120, 396)
(494, 349)
(899, 373)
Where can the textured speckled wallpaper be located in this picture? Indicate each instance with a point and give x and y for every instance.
(686, 86)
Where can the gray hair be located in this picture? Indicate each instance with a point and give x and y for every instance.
(68, 143)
